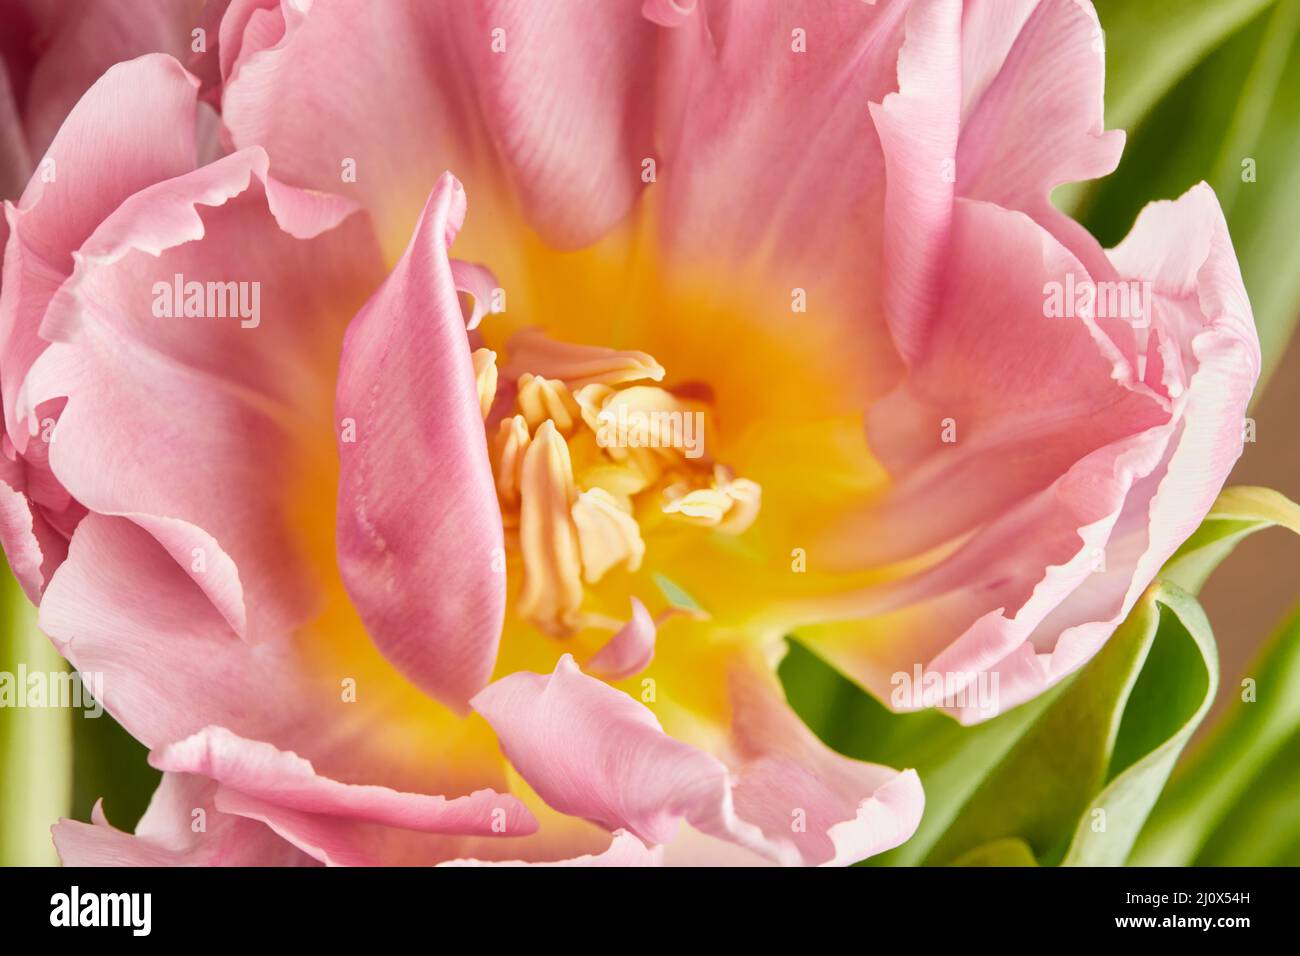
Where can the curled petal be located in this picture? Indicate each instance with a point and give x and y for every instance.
(151, 141)
(32, 548)
(478, 282)
(1033, 590)
(328, 820)
(624, 850)
(592, 751)
(167, 835)
(217, 391)
(420, 558)
(631, 648)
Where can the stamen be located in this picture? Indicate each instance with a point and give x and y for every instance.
(541, 399)
(548, 540)
(645, 416)
(511, 445)
(746, 497)
(576, 365)
(607, 534)
(485, 377)
(702, 506)
(730, 505)
(582, 457)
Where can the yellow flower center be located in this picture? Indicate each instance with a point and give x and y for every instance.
(589, 458)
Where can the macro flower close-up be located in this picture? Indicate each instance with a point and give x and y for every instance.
(640, 432)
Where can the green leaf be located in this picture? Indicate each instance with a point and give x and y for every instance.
(35, 742)
(951, 759)
(1151, 44)
(110, 765)
(1104, 740)
(1238, 798)
(1010, 852)
(1238, 513)
(57, 761)
(1078, 786)
(1173, 694)
(1263, 826)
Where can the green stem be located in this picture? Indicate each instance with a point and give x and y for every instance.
(35, 742)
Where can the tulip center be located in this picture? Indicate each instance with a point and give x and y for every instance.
(590, 456)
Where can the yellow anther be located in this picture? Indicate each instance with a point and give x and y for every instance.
(540, 399)
(586, 465)
(485, 377)
(511, 445)
(607, 534)
(548, 540)
(730, 504)
(576, 365)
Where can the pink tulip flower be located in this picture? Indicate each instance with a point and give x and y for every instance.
(420, 517)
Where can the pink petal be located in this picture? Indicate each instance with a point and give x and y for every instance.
(31, 547)
(630, 650)
(918, 128)
(258, 769)
(1027, 395)
(122, 606)
(1032, 80)
(259, 22)
(624, 850)
(1035, 590)
(320, 815)
(592, 751)
(420, 541)
(478, 282)
(74, 43)
(1022, 82)
(102, 154)
(753, 176)
(437, 96)
(578, 171)
(227, 402)
(167, 834)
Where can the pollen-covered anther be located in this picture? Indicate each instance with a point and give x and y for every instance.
(730, 504)
(589, 466)
(548, 539)
(485, 377)
(608, 535)
(541, 399)
(531, 350)
(512, 441)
